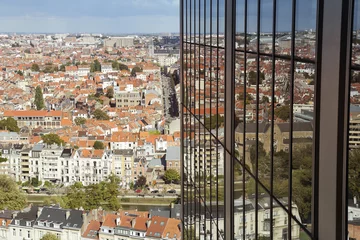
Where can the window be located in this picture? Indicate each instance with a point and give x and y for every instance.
(17, 222)
(14, 232)
(28, 234)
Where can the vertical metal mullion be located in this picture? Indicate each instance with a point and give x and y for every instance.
(272, 122)
(182, 110)
(199, 107)
(217, 120)
(191, 157)
(293, 26)
(257, 119)
(230, 11)
(210, 81)
(332, 103)
(244, 116)
(204, 136)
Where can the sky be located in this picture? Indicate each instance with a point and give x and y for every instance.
(92, 16)
(135, 16)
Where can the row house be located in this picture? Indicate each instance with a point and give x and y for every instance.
(90, 166)
(122, 140)
(83, 70)
(11, 153)
(35, 119)
(132, 226)
(123, 161)
(34, 222)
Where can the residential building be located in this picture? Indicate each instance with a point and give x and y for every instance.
(63, 223)
(35, 119)
(127, 99)
(119, 42)
(259, 80)
(173, 158)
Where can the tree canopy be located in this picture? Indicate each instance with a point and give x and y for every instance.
(214, 121)
(95, 66)
(39, 98)
(80, 121)
(171, 176)
(10, 195)
(52, 138)
(35, 67)
(252, 77)
(98, 145)
(49, 236)
(100, 115)
(110, 92)
(135, 70)
(102, 194)
(283, 112)
(141, 182)
(9, 124)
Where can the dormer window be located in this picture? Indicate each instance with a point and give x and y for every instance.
(17, 222)
(28, 223)
(3, 222)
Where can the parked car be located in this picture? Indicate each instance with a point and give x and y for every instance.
(138, 190)
(172, 191)
(155, 191)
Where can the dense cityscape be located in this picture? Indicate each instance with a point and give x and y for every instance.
(90, 136)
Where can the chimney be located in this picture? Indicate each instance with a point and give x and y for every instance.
(67, 214)
(148, 223)
(351, 216)
(14, 215)
(355, 200)
(39, 211)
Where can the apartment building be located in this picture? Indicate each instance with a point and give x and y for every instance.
(90, 166)
(122, 165)
(11, 153)
(119, 42)
(35, 119)
(127, 99)
(83, 70)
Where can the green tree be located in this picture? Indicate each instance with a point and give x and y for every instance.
(214, 121)
(49, 236)
(80, 121)
(35, 67)
(115, 65)
(9, 124)
(19, 72)
(110, 92)
(252, 77)
(98, 145)
(39, 99)
(100, 115)
(52, 138)
(123, 67)
(62, 68)
(283, 112)
(35, 182)
(76, 196)
(2, 159)
(265, 99)
(95, 66)
(10, 195)
(135, 70)
(141, 182)
(249, 98)
(171, 176)
(354, 172)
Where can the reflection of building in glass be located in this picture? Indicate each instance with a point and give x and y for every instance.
(273, 94)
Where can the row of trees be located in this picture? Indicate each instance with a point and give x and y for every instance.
(103, 194)
(9, 124)
(301, 175)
